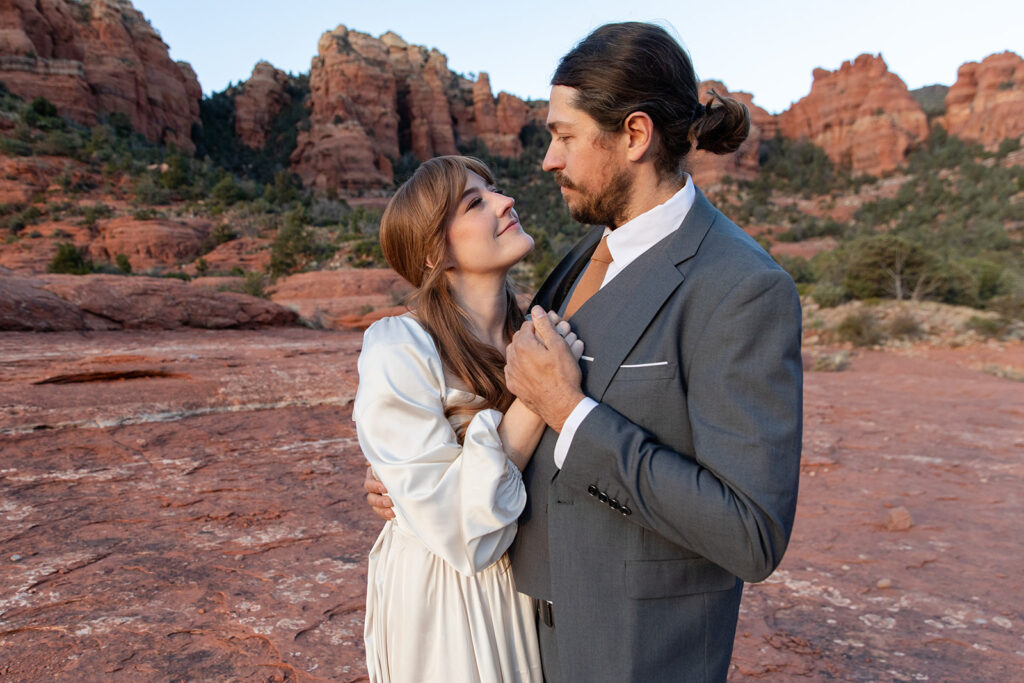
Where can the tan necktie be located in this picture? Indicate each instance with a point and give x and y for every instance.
(592, 278)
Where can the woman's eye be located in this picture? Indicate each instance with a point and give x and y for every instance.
(473, 203)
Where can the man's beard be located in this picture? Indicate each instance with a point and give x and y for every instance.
(607, 207)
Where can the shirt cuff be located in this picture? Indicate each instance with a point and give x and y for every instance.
(572, 423)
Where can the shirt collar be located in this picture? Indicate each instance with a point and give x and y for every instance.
(639, 234)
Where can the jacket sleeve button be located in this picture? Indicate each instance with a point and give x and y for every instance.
(614, 504)
(602, 496)
(592, 490)
(625, 510)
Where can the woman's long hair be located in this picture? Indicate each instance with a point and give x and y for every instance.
(413, 236)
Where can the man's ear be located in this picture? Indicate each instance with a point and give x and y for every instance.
(640, 129)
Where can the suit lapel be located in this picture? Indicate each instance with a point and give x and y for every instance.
(619, 313)
(557, 285)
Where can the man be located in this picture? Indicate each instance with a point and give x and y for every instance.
(668, 472)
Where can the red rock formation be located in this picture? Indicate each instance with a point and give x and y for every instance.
(373, 100)
(247, 253)
(339, 298)
(862, 115)
(424, 85)
(708, 168)
(262, 98)
(110, 302)
(147, 244)
(97, 58)
(986, 104)
(353, 122)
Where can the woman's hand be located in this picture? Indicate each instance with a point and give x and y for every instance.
(377, 496)
(563, 328)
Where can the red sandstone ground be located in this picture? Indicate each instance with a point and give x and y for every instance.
(201, 518)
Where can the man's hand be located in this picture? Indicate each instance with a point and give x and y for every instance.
(542, 370)
(377, 496)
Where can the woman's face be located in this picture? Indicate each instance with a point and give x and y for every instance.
(485, 236)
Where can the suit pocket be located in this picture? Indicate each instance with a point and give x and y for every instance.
(646, 371)
(647, 579)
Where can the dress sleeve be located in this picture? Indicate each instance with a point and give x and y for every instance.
(461, 501)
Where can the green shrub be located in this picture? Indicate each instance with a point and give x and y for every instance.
(123, 264)
(860, 329)
(69, 260)
(990, 328)
(828, 295)
(227, 191)
(905, 325)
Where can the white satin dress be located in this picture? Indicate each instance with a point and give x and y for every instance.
(441, 603)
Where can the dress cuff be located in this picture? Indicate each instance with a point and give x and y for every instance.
(572, 423)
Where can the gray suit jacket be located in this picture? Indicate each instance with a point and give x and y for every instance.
(682, 483)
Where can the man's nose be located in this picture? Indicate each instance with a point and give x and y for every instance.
(552, 161)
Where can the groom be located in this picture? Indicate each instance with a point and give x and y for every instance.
(668, 472)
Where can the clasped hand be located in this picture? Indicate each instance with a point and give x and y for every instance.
(546, 355)
(542, 367)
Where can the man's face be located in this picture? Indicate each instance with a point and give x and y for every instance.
(589, 164)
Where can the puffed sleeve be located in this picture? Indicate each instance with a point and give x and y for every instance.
(461, 501)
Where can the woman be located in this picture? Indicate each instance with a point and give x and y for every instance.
(446, 437)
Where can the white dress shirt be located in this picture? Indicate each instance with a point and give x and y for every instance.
(627, 243)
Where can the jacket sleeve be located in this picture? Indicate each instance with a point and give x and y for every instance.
(733, 500)
(461, 501)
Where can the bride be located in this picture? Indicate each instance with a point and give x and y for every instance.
(447, 439)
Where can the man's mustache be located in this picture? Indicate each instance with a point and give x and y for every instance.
(563, 181)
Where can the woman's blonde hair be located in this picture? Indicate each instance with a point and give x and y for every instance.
(413, 236)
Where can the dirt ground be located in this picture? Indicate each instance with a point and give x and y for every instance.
(187, 506)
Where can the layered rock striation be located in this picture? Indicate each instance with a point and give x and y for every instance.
(986, 104)
(98, 58)
(862, 115)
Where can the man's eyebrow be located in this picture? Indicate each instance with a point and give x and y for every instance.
(552, 125)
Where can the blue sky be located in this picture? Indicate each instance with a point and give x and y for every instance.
(766, 48)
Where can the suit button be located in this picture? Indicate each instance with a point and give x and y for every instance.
(592, 490)
(614, 503)
(602, 496)
(625, 510)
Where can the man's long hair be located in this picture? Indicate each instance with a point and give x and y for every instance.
(628, 67)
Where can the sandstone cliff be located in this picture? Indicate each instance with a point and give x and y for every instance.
(261, 99)
(375, 99)
(862, 115)
(98, 58)
(986, 104)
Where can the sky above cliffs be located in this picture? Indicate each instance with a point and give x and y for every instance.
(766, 48)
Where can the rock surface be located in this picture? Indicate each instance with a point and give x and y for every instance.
(92, 59)
(986, 104)
(862, 115)
(336, 299)
(262, 98)
(202, 517)
(111, 302)
(149, 243)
